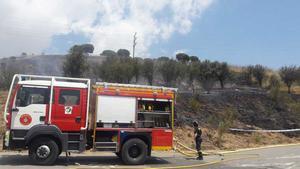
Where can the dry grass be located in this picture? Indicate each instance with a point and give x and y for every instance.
(231, 141)
(236, 69)
(3, 95)
(294, 89)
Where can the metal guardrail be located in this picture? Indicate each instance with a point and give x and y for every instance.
(264, 131)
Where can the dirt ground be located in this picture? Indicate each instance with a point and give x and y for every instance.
(231, 141)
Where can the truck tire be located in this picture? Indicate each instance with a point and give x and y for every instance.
(43, 151)
(134, 152)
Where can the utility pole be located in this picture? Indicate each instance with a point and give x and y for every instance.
(134, 44)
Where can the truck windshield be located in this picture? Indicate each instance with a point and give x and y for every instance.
(32, 95)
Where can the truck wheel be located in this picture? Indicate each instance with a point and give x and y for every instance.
(134, 152)
(43, 151)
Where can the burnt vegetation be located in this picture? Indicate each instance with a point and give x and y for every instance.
(215, 93)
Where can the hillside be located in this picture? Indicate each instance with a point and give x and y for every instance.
(237, 106)
(246, 108)
(41, 64)
(251, 107)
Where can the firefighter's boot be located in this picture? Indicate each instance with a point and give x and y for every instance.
(200, 156)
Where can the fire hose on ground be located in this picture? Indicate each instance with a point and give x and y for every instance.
(187, 151)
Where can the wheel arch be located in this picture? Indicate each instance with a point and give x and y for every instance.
(144, 136)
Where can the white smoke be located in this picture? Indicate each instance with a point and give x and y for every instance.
(29, 25)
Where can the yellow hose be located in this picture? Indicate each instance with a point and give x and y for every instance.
(190, 154)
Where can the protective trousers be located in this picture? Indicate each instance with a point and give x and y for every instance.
(198, 141)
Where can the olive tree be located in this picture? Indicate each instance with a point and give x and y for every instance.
(245, 77)
(7, 71)
(207, 75)
(194, 59)
(116, 69)
(193, 73)
(222, 72)
(75, 64)
(182, 57)
(137, 67)
(148, 70)
(259, 73)
(289, 75)
(168, 70)
(123, 53)
(108, 53)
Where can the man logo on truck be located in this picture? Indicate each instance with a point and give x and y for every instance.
(68, 109)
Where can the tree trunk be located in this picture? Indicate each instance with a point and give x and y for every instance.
(222, 84)
(289, 89)
(136, 78)
(193, 88)
(150, 81)
(260, 83)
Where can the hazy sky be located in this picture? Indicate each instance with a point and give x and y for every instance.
(240, 32)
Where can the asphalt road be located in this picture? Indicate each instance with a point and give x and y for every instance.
(287, 157)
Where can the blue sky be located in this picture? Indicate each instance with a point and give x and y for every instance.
(240, 32)
(243, 32)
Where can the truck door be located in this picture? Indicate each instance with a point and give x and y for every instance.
(29, 107)
(67, 109)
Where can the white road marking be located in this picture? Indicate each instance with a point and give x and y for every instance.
(291, 167)
(285, 165)
(288, 157)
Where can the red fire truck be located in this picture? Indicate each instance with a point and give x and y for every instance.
(49, 115)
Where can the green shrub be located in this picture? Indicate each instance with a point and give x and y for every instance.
(257, 138)
(220, 132)
(274, 88)
(195, 105)
(275, 93)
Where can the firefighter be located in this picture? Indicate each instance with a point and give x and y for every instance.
(198, 139)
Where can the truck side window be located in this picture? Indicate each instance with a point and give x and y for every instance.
(69, 97)
(31, 95)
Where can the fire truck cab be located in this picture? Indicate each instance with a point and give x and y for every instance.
(49, 115)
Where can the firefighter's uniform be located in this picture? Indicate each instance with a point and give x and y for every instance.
(198, 140)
